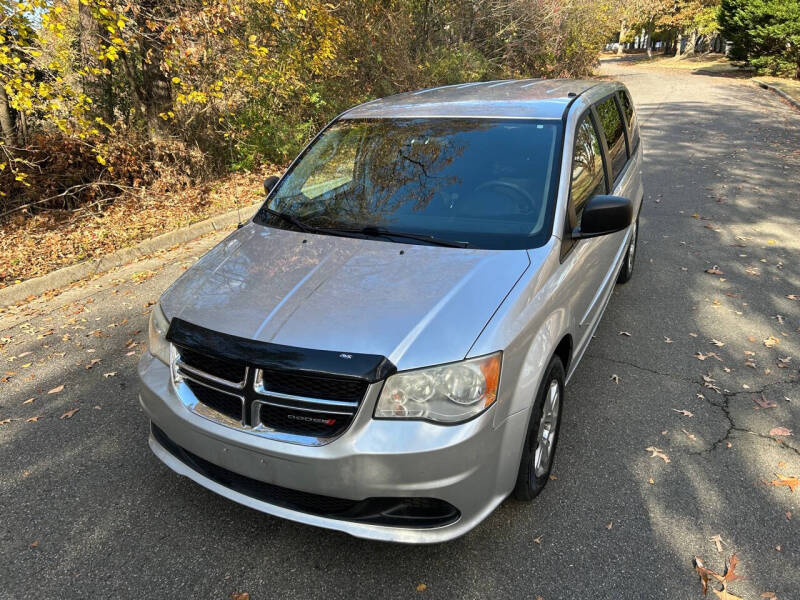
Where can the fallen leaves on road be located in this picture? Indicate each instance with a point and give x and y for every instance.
(684, 412)
(763, 402)
(771, 341)
(790, 482)
(727, 577)
(717, 343)
(783, 362)
(33, 419)
(69, 413)
(709, 382)
(56, 389)
(691, 436)
(657, 453)
(780, 431)
(92, 363)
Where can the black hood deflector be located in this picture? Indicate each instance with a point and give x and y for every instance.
(266, 355)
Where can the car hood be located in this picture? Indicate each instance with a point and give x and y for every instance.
(415, 304)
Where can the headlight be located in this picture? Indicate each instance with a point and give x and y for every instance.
(157, 331)
(447, 394)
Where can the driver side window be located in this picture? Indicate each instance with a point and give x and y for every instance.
(588, 174)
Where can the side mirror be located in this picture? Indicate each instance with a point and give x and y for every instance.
(603, 215)
(270, 182)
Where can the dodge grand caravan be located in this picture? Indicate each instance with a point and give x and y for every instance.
(382, 350)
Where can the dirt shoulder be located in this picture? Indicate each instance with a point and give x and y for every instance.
(31, 246)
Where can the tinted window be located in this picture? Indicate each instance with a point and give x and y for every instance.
(627, 107)
(488, 183)
(611, 122)
(588, 175)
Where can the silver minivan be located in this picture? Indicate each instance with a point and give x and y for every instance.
(382, 350)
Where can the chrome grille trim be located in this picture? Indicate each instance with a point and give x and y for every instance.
(182, 366)
(261, 401)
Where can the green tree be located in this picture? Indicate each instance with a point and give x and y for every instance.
(765, 32)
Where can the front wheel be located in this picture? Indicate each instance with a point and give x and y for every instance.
(542, 437)
(626, 272)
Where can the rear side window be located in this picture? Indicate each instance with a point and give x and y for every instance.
(611, 122)
(630, 118)
(588, 175)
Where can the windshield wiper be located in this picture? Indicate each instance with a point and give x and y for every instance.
(291, 219)
(383, 231)
(370, 230)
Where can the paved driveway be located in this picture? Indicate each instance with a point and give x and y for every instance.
(87, 512)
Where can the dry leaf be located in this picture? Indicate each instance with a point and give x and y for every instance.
(69, 413)
(790, 482)
(717, 539)
(788, 514)
(715, 270)
(717, 343)
(92, 363)
(656, 453)
(667, 340)
(33, 419)
(56, 389)
(537, 540)
(763, 402)
(610, 525)
(111, 374)
(5, 421)
(780, 431)
(793, 297)
(684, 412)
(29, 401)
(769, 595)
(651, 481)
(240, 596)
(615, 378)
(691, 436)
(625, 333)
(771, 341)
(421, 587)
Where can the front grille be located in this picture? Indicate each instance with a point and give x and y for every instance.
(312, 405)
(222, 402)
(216, 367)
(314, 386)
(398, 512)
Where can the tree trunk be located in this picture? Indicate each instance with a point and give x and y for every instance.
(8, 124)
(690, 45)
(157, 91)
(95, 84)
(622, 32)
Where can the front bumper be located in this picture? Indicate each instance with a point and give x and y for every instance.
(472, 466)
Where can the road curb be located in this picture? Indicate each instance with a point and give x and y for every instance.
(67, 275)
(780, 92)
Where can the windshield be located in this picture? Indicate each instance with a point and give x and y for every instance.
(487, 183)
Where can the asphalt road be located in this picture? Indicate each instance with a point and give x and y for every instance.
(87, 512)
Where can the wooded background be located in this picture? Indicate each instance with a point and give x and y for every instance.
(102, 97)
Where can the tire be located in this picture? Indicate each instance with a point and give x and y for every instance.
(535, 465)
(626, 272)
